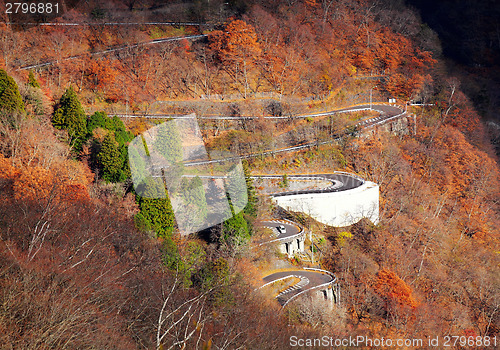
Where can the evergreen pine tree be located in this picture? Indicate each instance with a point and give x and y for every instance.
(69, 115)
(156, 214)
(110, 159)
(137, 159)
(194, 209)
(97, 120)
(235, 229)
(251, 207)
(10, 98)
(168, 142)
(32, 80)
(236, 188)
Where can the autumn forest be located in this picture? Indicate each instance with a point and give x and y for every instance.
(87, 263)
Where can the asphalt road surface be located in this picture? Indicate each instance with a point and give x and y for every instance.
(308, 280)
(342, 182)
(115, 49)
(385, 110)
(291, 230)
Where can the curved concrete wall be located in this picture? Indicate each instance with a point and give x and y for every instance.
(336, 209)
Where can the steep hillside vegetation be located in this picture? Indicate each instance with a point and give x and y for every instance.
(86, 263)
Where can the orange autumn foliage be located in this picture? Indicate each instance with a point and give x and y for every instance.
(468, 165)
(63, 182)
(238, 44)
(7, 170)
(389, 285)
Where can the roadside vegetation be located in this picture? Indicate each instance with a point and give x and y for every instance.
(87, 263)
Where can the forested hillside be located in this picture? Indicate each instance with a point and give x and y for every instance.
(86, 263)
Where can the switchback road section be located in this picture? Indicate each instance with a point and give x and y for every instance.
(309, 279)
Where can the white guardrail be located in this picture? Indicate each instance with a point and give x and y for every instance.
(384, 121)
(334, 280)
(121, 48)
(325, 272)
(243, 117)
(335, 184)
(274, 281)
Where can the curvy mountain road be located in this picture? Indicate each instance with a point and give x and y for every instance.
(115, 49)
(340, 181)
(291, 229)
(387, 113)
(384, 109)
(309, 280)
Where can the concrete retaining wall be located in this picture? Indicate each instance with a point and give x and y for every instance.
(293, 246)
(404, 125)
(336, 209)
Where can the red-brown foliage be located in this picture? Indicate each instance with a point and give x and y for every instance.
(389, 285)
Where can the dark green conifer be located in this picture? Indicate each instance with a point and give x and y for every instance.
(110, 159)
(168, 142)
(69, 115)
(32, 80)
(10, 98)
